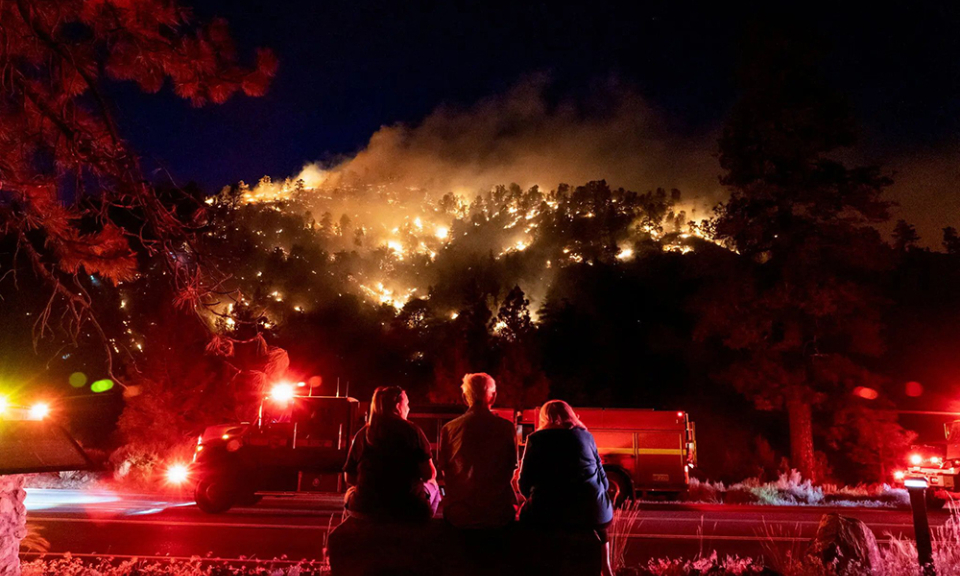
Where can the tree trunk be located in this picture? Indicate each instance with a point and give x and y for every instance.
(801, 436)
(13, 523)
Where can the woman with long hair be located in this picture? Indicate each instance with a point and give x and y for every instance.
(390, 468)
(562, 478)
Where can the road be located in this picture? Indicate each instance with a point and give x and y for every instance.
(109, 524)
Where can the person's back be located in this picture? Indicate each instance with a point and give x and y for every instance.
(389, 464)
(563, 479)
(478, 456)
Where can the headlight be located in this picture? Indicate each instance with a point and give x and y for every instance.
(39, 411)
(177, 473)
(282, 392)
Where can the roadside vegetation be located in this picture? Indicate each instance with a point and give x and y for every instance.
(790, 489)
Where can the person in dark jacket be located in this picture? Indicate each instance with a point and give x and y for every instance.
(478, 456)
(389, 467)
(562, 478)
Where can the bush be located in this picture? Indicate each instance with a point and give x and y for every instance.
(712, 565)
(71, 480)
(704, 491)
(790, 489)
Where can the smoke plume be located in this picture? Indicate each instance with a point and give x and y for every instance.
(521, 137)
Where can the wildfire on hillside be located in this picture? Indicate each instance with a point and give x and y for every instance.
(399, 238)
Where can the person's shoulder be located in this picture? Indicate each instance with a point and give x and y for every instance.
(457, 422)
(409, 426)
(583, 434)
(502, 422)
(540, 434)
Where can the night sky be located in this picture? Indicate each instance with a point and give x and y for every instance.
(348, 67)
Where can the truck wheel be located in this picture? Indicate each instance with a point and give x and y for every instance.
(214, 494)
(620, 488)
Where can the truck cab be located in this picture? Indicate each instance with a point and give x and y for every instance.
(297, 444)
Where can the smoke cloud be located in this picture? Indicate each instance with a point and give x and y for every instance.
(521, 137)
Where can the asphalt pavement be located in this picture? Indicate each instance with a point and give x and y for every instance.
(101, 523)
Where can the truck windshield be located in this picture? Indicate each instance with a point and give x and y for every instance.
(953, 432)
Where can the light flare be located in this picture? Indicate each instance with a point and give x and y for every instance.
(177, 473)
(39, 411)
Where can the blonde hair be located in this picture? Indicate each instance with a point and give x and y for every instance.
(558, 414)
(479, 388)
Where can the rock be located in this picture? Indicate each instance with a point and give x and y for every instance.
(846, 543)
(13, 523)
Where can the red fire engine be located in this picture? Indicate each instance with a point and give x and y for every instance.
(643, 451)
(940, 470)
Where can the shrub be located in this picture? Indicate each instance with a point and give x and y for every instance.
(790, 489)
(712, 565)
(704, 491)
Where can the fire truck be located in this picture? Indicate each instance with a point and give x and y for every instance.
(644, 452)
(299, 443)
(942, 473)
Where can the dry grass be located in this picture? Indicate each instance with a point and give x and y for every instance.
(626, 518)
(34, 541)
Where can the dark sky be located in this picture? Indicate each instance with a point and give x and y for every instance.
(349, 66)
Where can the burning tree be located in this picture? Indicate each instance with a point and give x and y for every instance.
(800, 314)
(74, 204)
(74, 199)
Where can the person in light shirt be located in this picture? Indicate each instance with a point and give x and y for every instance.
(477, 458)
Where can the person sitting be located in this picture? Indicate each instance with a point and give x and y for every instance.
(562, 478)
(389, 467)
(477, 458)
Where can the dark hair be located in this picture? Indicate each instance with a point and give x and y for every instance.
(383, 406)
